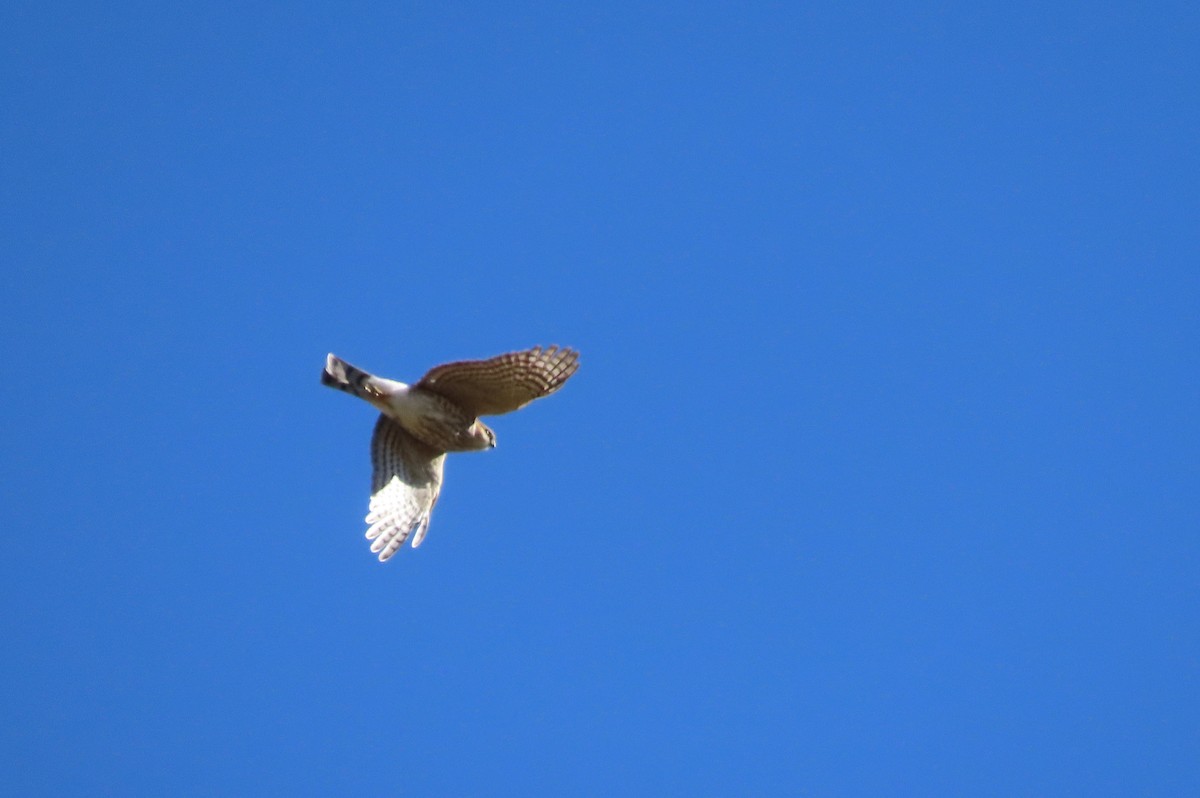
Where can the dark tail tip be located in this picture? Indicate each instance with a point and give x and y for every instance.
(334, 374)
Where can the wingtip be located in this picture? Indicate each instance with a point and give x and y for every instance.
(419, 535)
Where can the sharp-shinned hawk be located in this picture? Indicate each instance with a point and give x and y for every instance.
(420, 423)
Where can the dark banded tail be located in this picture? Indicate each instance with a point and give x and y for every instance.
(354, 381)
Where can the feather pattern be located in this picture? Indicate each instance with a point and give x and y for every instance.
(503, 383)
(406, 480)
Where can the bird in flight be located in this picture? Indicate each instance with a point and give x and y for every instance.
(420, 423)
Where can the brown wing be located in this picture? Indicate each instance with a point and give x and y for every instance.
(404, 487)
(504, 383)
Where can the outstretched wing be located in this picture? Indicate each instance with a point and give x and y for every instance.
(504, 383)
(404, 487)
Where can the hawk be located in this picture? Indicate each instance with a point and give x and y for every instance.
(420, 423)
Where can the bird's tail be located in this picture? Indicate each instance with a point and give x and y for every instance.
(354, 381)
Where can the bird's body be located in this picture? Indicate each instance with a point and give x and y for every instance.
(429, 417)
(420, 423)
(438, 422)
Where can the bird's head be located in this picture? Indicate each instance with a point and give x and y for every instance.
(482, 435)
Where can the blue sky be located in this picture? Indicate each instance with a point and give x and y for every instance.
(879, 476)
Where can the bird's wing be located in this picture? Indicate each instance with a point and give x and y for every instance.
(503, 383)
(404, 487)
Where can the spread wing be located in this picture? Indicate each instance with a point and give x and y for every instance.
(404, 487)
(503, 383)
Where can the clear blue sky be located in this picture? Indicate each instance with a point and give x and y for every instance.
(879, 477)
